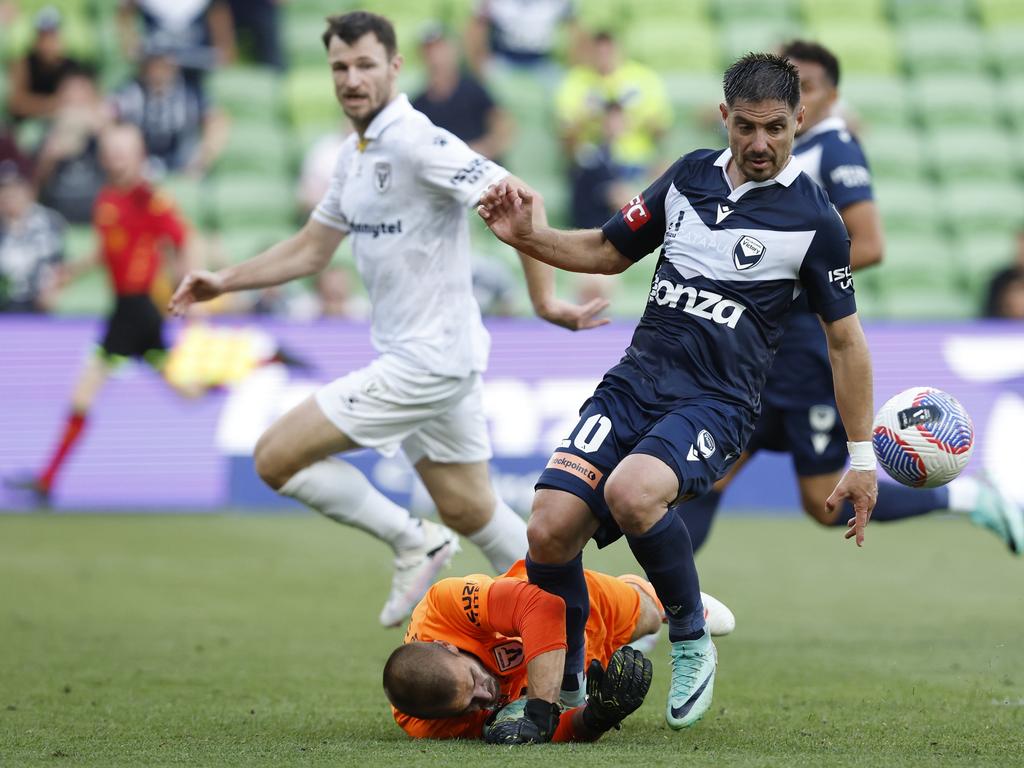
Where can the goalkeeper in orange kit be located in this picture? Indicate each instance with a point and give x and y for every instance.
(477, 643)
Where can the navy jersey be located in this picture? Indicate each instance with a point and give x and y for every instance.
(731, 264)
(802, 373)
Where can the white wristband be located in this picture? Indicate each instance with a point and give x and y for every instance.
(862, 456)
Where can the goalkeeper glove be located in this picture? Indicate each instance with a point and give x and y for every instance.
(618, 691)
(536, 726)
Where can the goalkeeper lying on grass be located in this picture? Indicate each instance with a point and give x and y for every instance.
(475, 644)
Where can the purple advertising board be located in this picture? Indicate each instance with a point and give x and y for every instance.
(145, 447)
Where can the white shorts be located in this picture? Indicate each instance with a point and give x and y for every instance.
(390, 405)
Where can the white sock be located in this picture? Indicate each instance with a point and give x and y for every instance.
(503, 539)
(963, 494)
(338, 490)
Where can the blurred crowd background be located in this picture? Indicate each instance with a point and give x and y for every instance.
(586, 100)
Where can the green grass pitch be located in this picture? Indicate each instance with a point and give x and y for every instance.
(252, 641)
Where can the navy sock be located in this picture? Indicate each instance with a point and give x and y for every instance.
(567, 581)
(666, 556)
(698, 514)
(897, 502)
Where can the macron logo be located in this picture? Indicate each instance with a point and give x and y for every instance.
(723, 211)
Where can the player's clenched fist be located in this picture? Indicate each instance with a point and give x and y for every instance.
(618, 691)
(199, 285)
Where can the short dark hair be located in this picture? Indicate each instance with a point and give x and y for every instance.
(761, 77)
(352, 26)
(805, 50)
(416, 680)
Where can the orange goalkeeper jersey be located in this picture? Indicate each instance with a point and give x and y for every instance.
(478, 613)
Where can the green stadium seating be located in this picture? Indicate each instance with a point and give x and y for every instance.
(189, 196)
(688, 47)
(753, 10)
(259, 146)
(996, 13)
(693, 94)
(241, 243)
(894, 152)
(309, 94)
(916, 11)
(985, 207)
(936, 301)
(254, 199)
(1012, 95)
(742, 36)
(980, 255)
(908, 206)
(966, 100)
(861, 47)
(79, 40)
(250, 92)
(944, 47)
(879, 101)
(301, 36)
(842, 12)
(973, 153)
(1007, 46)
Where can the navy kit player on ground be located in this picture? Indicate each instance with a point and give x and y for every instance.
(743, 232)
(798, 411)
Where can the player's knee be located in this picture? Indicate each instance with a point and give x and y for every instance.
(269, 467)
(635, 510)
(464, 514)
(548, 539)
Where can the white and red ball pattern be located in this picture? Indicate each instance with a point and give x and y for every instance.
(923, 437)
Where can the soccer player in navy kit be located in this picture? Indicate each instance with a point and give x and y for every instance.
(743, 232)
(798, 412)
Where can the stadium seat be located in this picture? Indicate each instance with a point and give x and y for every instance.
(254, 199)
(249, 92)
(309, 94)
(259, 146)
(746, 10)
(301, 37)
(79, 40)
(933, 302)
(952, 99)
(1007, 46)
(743, 35)
(982, 254)
(996, 13)
(693, 94)
(688, 46)
(918, 11)
(879, 101)
(908, 206)
(1012, 93)
(861, 47)
(943, 47)
(842, 12)
(189, 196)
(983, 207)
(894, 151)
(980, 152)
(240, 243)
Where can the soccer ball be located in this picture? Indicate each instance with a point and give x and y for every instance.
(923, 437)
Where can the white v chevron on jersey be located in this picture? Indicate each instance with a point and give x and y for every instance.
(723, 211)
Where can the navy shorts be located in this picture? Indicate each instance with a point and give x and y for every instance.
(699, 440)
(813, 435)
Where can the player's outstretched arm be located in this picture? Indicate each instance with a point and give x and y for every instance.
(851, 374)
(507, 209)
(304, 253)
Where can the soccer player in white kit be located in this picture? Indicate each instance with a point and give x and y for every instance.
(401, 189)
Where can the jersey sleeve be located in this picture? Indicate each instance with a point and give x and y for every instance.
(328, 210)
(845, 173)
(449, 167)
(469, 726)
(825, 273)
(168, 221)
(639, 227)
(517, 608)
(453, 610)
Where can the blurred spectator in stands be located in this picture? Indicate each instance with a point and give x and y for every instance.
(456, 101)
(597, 186)
(68, 174)
(182, 131)
(318, 167)
(198, 32)
(35, 77)
(1006, 289)
(9, 150)
(331, 296)
(580, 107)
(257, 26)
(520, 34)
(31, 246)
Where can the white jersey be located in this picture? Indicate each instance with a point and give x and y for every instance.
(402, 193)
